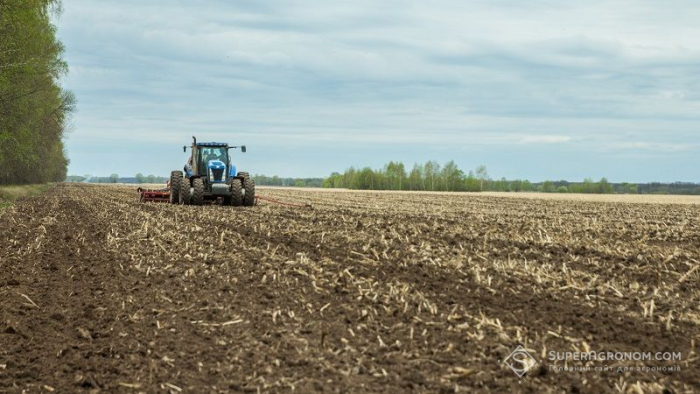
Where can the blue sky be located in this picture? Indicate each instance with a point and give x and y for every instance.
(538, 90)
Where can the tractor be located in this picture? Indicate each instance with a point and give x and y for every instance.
(209, 176)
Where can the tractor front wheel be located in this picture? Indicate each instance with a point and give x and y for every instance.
(175, 181)
(198, 193)
(249, 197)
(185, 195)
(236, 192)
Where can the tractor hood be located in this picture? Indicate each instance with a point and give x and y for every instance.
(216, 165)
(216, 171)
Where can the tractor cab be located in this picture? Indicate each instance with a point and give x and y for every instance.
(211, 160)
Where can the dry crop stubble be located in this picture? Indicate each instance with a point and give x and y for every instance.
(367, 291)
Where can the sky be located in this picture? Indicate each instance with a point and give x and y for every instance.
(533, 90)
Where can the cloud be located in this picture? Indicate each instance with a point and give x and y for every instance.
(544, 139)
(445, 76)
(654, 147)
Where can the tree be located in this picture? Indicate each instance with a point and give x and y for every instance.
(482, 175)
(140, 178)
(501, 185)
(604, 187)
(114, 178)
(400, 172)
(452, 176)
(365, 179)
(334, 180)
(548, 187)
(588, 186)
(471, 183)
(415, 178)
(431, 171)
(395, 175)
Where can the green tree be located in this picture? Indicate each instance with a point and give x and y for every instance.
(452, 176)
(604, 187)
(140, 178)
(471, 183)
(501, 185)
(114, 178)
(548, 187)
(34, 109)
(415, 178)
(588, 186)
(431, 171)
(365, 179)
(395, 175)
(335, 180)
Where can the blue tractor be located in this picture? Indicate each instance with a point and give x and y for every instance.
(209, 175)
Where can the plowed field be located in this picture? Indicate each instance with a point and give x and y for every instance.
(365, 292)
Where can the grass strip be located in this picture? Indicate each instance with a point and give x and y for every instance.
(11, 193)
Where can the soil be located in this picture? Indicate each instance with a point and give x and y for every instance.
(363, 292)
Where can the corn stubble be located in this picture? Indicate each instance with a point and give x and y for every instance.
(365, 292)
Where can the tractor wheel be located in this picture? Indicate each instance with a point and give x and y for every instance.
(198, 194)
(236, 192)
(185, 195)
(175, 181)
(249, 197)
(243, 174)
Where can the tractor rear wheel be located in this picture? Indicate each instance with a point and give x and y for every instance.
(175, 180)
(236, 192)
(198, 193)
(249, 197)
(185, 195)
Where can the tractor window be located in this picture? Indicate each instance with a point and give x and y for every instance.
(207, 154)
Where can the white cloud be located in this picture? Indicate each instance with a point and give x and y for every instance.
(545, 139)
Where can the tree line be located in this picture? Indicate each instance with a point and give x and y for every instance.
(431, 176)
(263, 180)
(34, 109)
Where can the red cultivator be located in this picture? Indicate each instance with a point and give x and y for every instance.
(154, 195)
(163, 195)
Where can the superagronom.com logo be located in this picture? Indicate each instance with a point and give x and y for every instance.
(520, 361)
